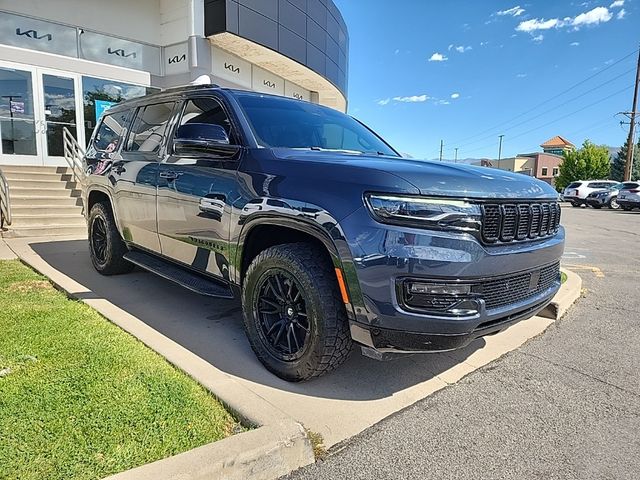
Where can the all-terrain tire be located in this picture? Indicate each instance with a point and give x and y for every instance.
(329, 341)
(107, 258)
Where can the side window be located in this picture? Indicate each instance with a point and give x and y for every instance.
(149, 127)
(207, 110)
(110, 132)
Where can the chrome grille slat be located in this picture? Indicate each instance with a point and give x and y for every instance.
(506, 223)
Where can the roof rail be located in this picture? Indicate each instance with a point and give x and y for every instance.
(190, 87)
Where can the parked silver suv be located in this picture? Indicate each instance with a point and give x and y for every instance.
(629, 196)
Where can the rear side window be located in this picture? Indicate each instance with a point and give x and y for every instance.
(111, 131)
(600, 184)
(149, 127)
(630, 185)
(574, 185)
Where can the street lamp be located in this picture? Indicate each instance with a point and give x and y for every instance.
(500, 150)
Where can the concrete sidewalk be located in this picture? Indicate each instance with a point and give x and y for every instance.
(5, 252)
(339, 405)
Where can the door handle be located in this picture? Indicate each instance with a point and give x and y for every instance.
(170, 175)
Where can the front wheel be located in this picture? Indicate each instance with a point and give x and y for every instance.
(294, 316)
(106, 246)
(613, 203)
(575, 204)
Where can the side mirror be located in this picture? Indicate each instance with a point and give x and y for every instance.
(203, 139)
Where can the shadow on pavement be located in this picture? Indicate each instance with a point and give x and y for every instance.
(212, 329)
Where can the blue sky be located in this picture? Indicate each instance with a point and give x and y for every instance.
(466, 71)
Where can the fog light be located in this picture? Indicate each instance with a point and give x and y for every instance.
(415, 288)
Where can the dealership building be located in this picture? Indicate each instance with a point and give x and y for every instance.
(63, 62)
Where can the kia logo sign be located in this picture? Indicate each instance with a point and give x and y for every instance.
(177, 58)
(34, 34)
(269, 83)
(232, 67)
(297, 96)
(120, 53)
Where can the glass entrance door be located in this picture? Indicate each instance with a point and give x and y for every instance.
(60, 110)
(18, 116)
(35, 105)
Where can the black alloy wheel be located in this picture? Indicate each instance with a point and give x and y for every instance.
(281, 311)
(99, 239)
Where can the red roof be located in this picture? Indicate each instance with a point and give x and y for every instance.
(557, 141)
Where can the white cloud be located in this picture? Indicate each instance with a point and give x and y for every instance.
(617, 4)
(443, 102)
(462, 48)
(592, 17)
(574, 44)
(438, 57)
(482, 44)
(383, 102)
(514, 11)
(537, 24)
(621, 14)
(538, 38)
(455, 95)
(521, 75)
(412, 99)
(397, 52)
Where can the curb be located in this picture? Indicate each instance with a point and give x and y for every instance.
(277, 446)
(569, 292)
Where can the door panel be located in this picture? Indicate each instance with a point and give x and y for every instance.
(59, 95)
(195, 194)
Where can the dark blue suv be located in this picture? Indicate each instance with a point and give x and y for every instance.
(326, 234)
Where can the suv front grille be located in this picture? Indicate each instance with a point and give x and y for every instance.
(519, 221)
(517, 288)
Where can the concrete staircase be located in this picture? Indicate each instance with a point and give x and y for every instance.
(45, 201)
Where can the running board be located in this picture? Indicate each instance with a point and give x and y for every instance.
(191, 281)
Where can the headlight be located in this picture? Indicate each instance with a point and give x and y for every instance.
(438, 213)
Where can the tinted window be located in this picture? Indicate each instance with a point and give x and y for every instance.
(206, 110)
(149, 127)
(630, 185)
(111, 131)
(574, 185)
(286, 123)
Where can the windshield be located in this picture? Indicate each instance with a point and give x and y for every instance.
(286, 123)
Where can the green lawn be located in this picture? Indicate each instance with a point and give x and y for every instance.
(80, 398)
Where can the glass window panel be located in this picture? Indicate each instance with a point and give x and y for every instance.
(35, 34)
(206, 110)
(149, 127)
(110, 133)
(108, 91)
(116, 51)
(17, 125)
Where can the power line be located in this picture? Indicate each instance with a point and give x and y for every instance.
(559, 119)
(529, 119)
(550, 99)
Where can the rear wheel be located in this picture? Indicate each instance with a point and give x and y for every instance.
(575, 204)
(106, 246)
(294, 317)
(613, 203)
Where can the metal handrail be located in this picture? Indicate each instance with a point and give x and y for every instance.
(74, 155)
(5, 201)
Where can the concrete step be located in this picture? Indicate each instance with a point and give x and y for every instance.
(28, 209)
(53, 230)
(42, 192)
(47, 221)
(43, 201)
(37, 176)
(6, 169)
(42, 184)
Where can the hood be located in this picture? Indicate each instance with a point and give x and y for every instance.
(439, 178)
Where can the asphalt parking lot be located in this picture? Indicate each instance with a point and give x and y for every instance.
(565, 405)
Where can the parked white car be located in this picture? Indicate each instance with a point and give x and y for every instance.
(577, 192)
(629, 196)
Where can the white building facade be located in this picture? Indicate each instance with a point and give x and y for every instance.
(63, 62)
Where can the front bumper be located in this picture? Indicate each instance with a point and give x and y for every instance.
(384, 256)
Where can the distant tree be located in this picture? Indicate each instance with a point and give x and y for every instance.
(619, 162)
(590, 162)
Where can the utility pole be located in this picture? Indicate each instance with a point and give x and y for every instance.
(456, 157)
(629, 165)
(500, 150)
(441, 147)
